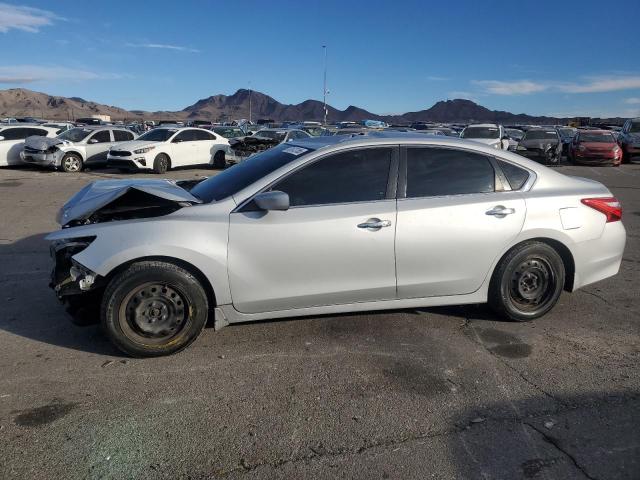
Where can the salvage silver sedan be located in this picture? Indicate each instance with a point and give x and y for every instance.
(330, 225)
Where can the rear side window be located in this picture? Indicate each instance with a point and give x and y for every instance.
(122, 136)
(102, 136)
(516, 176)
(22, 133)
(353, 176)
(186, 136)
(202, 135)
(433, 172)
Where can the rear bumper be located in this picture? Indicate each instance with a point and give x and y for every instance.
(599, 258)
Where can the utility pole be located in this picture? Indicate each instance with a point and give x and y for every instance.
(250, 102)
(324, 89)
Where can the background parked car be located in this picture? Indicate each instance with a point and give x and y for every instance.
(566, 136)
(76, 148)
(595, 147)
(61, 126)
(12, 137)
(164, 148)
(229, 132)
(542, 145)
(630, 140)
(281, 134)
(487, 133)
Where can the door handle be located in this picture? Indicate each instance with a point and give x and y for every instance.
(375, 224)
(500, 211)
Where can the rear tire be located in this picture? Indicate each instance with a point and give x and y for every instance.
(153, 309)
(527, 282)
(219, 160)
(161, 164)
(71, 163)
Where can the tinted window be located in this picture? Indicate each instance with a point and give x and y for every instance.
(540, 135)
(517, 176)
(354, 176)
(102, 136)
(21, 133)
(122, 136)
(186, 136)
(435, 172)
(202, 135)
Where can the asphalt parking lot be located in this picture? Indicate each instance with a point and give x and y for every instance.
(433, 393)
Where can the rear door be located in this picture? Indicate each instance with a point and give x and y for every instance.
(454, 217)
(334, 245)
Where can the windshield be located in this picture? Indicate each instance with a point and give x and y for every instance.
(243, 174)
(157, 135)
(229, 132)
(634, 127)
(515, 134)
(597, 137)
(481, 132)
(75, 134)
(540, 135)
(272, 134)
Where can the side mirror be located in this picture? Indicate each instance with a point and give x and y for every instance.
(274, 200)
(93, 140)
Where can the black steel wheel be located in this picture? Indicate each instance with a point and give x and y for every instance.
(527, 282)
(154, 308)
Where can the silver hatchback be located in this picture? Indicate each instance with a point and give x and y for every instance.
(329, 225)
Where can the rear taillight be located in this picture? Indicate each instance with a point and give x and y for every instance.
(610, 206)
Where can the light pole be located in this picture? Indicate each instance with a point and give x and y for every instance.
(324, 89)
(249, 102)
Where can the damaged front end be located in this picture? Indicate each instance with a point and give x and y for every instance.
(42, 151)
(111, 200)
(76, 286)
(244, 147)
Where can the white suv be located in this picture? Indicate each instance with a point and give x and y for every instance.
(163, 148)
(76, 148)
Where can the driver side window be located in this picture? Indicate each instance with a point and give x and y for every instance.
(102, 136)
(347, 177)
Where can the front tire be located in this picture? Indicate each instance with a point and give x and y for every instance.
(71, 163)
(161, 164)
(153, 309)
(527, 282)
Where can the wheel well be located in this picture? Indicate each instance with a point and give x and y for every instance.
(195, 271)
(565, 255)
(73, 152)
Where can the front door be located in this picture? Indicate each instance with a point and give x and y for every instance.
(334, 245)
(454, 219)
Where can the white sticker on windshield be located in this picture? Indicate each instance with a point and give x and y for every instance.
(295, 150)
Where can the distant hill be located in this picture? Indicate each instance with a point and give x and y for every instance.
(20, 102)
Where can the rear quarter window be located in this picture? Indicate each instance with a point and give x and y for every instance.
(516, 176)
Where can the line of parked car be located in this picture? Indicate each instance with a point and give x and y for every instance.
(70, 148)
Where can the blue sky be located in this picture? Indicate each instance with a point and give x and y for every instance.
(559, 58)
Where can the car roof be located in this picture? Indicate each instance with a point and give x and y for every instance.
(102, 127)
(493, 125)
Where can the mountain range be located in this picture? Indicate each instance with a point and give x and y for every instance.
(19, 102)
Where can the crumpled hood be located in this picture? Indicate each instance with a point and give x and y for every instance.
(102, 192)
(37, 142)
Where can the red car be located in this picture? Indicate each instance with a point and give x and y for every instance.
(595, 147)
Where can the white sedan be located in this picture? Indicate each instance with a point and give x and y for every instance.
(12, 140)
(161, 149)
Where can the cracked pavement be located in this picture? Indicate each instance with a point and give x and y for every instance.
(441, 393)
